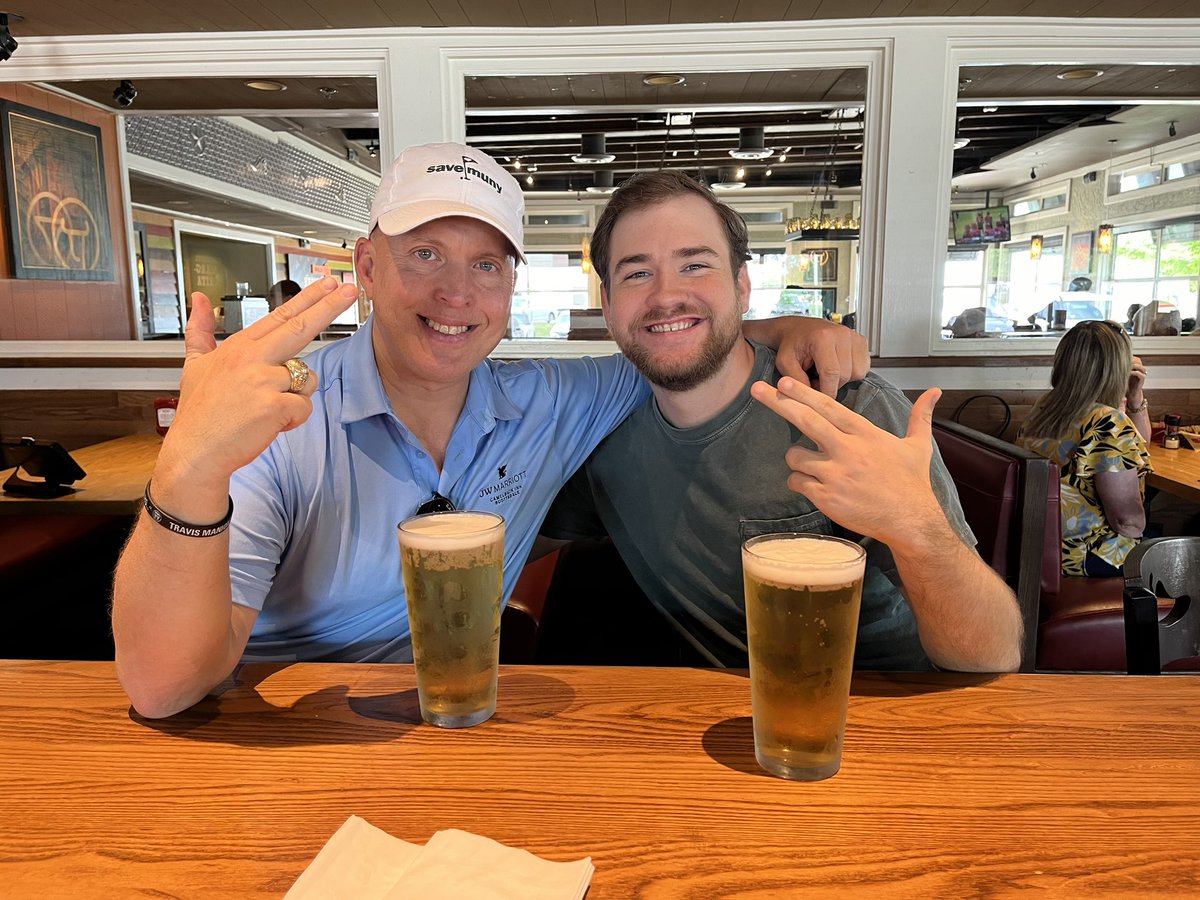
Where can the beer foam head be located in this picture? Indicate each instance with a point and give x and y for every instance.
(448, 530)
(808, 561)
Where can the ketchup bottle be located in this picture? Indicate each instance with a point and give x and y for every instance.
(164, 413)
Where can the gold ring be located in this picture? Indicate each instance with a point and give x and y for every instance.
(299, 371)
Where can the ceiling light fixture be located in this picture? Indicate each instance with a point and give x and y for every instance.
(1104, 236)
(271, 86)
(8, 43)
(1079, 74)
(959, 143)
(844, 112)
(662, 80)
(820, 224)
(1032, 172)
(602, 182)
(1171, 131)
(1035, 247)
(750, 145)
(593, 150)
(125, 93)
(730, 180)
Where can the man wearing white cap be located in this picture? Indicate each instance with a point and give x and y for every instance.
(321, 460)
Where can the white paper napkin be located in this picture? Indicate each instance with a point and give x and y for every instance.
(360, 862)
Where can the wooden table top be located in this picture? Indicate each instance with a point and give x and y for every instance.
(117, 472)
(1175, 471)
(951, 785)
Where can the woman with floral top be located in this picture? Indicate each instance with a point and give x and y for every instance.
(1094, 424)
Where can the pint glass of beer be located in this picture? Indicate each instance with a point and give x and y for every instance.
(803, 593)
(453, 565)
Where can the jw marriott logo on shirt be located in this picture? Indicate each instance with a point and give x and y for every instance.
(505, 489)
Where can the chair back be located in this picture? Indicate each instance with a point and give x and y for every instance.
(1007, 495)
(1162, 567)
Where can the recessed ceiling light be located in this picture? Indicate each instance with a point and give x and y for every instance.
(1079, 74)
(729, 185)
(662, 80)
(308, 232)
(990, 109)
(266, 85)
(961, 142)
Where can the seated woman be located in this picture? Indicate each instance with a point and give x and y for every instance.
(1094, 424)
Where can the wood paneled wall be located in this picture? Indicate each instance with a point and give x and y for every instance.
(78, 418)
(33, 309)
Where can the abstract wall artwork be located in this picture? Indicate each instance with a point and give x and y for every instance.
(58, 225)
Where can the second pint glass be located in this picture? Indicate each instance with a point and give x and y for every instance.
(453, 566)
(803, 593)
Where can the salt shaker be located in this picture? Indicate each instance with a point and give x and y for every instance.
(1171, 422)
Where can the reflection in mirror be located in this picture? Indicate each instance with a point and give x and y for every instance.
(1106, 186)
(235, 184)
(783, 148)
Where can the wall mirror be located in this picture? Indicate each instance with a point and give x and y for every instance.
(1073, 197)
(288, 161)
(783, 147)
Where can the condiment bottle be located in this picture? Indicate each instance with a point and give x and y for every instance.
(1171, 423)
(164, 413)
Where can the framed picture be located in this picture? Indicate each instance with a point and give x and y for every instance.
(58, 226)
(813, 266)
(1081, 253)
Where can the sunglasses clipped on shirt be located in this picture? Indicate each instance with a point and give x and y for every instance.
(436, 503)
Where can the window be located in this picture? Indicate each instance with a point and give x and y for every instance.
(1157, 264)
(1124, 182)
(1034, 284)
(963, 282)
(1178, 170)
(546, 291)
(768, 268)
(1031, 205)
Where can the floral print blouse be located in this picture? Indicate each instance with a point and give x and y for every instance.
(1105, 441)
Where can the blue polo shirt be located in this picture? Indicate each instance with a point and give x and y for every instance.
(313, 541)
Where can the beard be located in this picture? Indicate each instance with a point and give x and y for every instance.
(680, 375)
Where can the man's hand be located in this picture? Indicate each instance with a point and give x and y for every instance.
(234, 398)
(864, 478)
(838, 354)
(874, 483)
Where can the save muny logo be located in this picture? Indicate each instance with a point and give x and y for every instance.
(467, 170)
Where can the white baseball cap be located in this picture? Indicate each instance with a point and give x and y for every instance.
(433, 181)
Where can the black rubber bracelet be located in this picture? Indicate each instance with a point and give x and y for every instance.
(187, 529)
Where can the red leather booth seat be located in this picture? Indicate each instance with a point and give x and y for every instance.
(1072, 624)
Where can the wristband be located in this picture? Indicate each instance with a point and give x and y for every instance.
(1138, 409)
(187, 529)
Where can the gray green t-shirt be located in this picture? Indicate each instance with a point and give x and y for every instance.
(679, 502)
